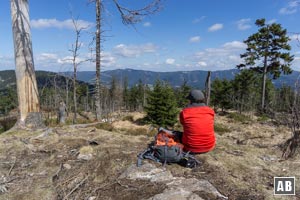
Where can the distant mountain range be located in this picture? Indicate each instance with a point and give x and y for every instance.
(194, 79)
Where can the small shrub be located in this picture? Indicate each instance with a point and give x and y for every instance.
(105, 126)
(137, 131)
(128, 118)
(239, 118)
(7, 123)
(221, 129)
(263, 118)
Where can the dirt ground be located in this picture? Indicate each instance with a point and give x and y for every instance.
(76, 162)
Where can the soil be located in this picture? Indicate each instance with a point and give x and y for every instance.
(77, 162)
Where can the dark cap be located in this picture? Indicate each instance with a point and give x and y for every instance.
(195, 95)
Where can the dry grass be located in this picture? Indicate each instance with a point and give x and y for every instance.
(242, 165)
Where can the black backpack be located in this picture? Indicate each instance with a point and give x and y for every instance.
(167, 149)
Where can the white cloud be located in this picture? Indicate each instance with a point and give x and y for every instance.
(291, 8)
(147, 24)
(54, 23)
(198, 20)
(134, 50)
(215, 27)
(202, 63)
(243, 24)
(235, 45)
(295, 37)
(195, 39)
(271, 21)
(46, 57)
(170, 61)
(225, 57)
(107, 59)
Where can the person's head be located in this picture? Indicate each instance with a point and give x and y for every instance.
(196, 96)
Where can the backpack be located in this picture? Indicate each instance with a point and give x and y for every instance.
(166, 148)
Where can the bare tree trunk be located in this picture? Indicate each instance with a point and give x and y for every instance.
(74, 89)
(98, 60)
(264, 82)
(28, 97)
(67, 95)
(208, 87)
(62, 113)
(75, 53)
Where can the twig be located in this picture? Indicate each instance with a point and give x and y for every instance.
(11, 168)
(75, 188)
(55, 176)
(10, 180)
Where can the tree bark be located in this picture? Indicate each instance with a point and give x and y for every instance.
(28, 97)
(264, 82)
(208, 87)
(98, 61)
(62, 113)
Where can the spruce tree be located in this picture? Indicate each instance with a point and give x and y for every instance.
(243, 86)
(221, 94)
(161, 106)
(181, 94)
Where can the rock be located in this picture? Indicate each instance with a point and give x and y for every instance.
(85, 156)
(67, 166)
(193, 184)
(178, 188)
(85, 153)
(176, 194)
(149, 172)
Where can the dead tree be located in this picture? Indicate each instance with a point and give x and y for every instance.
(129, 17)
(292, 146)
(62, 113)
(28, 96)
(208, 87)
(76, 62)
(98, 59)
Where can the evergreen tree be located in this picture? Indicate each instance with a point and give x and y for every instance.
(161, 106)
(284, 98)
(267, 53)
(221, 94)
(243, 86)
(181, 94)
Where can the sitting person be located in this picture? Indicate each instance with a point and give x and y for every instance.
(197, 120)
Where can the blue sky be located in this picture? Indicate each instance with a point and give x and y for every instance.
(183, 36)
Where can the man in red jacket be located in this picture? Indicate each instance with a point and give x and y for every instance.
(197, 120)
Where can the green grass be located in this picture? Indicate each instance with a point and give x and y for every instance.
(221, 129)
(236, 117)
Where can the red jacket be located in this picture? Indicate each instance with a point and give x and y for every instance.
(198, 129)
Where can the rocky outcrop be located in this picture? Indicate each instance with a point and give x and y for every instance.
(178, 188)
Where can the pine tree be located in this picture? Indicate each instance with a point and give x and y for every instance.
(161, 106)
(267, 53)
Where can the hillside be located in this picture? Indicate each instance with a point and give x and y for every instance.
(44, 79)
(77, 162)
(194, 78)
